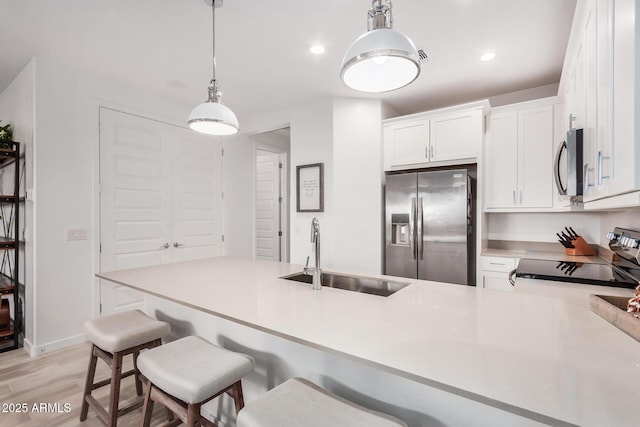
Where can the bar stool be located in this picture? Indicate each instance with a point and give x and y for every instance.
(186, 373)
(112, 338)
(298, 402)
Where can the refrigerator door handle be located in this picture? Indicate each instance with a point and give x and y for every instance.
(412, 228)
(420, 235)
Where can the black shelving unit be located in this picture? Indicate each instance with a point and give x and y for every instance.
(11, 329)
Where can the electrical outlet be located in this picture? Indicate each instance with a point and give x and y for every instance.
(75, 234)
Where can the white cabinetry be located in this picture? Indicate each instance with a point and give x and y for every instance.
(406, 142)
(599, 78)
(518, 164)
(435, 138)
(495, 272)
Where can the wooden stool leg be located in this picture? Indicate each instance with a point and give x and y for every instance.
(137, 373)
(147, 408)
(193, 414)
(114, 396)
(88, 385)
(238, 397)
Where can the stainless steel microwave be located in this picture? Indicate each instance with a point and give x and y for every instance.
(568, 165)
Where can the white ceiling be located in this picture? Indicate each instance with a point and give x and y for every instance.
(262, 48)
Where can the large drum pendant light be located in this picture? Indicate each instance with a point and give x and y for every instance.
(381, 59)
(212, 117)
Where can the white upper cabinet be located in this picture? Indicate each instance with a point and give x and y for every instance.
(406, 143)
(599, 78)
(456, 135)
(436, 138)
(518, 162)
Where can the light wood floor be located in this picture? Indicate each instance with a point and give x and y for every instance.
(58, 378)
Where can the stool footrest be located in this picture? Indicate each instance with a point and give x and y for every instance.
(107, 381)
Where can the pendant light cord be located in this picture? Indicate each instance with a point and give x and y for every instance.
(213, 38)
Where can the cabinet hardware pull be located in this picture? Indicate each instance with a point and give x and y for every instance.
(165, 246)
(600, 159)
(177, 245)
(514, 197)
(586, 178)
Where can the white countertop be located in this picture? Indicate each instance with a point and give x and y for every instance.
(538, 352)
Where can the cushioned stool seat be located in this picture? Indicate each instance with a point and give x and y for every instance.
(112, 338)
(188, 372)
(297, 402)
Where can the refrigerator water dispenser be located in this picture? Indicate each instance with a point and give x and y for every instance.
(400, 230)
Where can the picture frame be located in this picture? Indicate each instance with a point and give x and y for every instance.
(310, 188)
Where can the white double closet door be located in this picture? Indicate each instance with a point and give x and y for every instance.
(160, 199)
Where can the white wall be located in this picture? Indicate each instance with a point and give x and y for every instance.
(629, 218)
(524, 95)
(542, 227)
(343, 134)
(357, 192)
(239, 200)
(16, 107)
(312, 142)
(66, 173)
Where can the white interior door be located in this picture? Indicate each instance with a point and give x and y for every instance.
(196, 222)
(160, 199)
(268, 207)
(135, 205)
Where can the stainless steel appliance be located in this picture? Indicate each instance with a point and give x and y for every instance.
(568, 165)
(623, 271)
(429, 225)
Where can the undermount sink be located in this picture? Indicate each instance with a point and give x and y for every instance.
(365, 285)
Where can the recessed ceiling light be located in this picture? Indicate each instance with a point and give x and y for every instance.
(317, 49)
(488, 56)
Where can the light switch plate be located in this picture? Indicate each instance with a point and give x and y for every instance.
(75, 234)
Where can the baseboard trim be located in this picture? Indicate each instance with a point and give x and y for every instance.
(37, 350)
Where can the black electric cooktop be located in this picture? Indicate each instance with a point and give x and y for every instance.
(576, 272)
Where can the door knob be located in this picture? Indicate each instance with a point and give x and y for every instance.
(177, 245)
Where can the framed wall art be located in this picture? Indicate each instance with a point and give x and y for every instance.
(310, 188)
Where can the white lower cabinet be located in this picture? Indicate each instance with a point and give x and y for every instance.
(495, 272)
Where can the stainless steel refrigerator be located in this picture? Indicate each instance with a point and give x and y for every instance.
(429, 225)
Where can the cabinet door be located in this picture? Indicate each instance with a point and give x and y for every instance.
(501, 168)
(535, 157)
(496, 281)
(406, 143)
(456, 136)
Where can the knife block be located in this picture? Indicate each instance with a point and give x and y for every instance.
(580, 247)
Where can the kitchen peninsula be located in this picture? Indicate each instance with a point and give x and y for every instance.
(431, 354)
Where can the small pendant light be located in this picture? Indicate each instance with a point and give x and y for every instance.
(212, 117)
(381, 59)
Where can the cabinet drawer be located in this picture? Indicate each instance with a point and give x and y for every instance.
(504, 264)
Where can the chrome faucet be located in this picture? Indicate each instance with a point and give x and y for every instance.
(317, 271)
